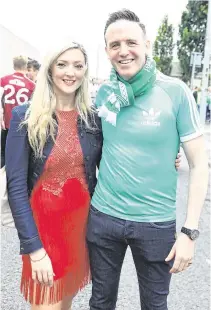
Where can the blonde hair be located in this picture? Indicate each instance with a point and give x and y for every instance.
(39, 117)
(20, 62)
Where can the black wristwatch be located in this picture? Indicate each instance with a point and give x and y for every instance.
(193, 234)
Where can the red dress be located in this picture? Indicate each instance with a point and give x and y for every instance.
(60, 203)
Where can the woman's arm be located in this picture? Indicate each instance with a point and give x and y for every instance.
(17, 160)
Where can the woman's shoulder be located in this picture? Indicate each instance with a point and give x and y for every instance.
(94, 119)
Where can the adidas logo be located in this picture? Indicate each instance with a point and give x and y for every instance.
(150, 118)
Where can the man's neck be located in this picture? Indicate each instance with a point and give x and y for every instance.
(21, 71)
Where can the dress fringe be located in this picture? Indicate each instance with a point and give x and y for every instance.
(39, 294)
(61, 222)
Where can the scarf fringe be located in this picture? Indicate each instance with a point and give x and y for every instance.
(109, 116)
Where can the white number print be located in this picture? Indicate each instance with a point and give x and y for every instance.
(21, 96)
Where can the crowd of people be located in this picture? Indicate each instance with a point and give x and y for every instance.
(74, 227)
(197, 97)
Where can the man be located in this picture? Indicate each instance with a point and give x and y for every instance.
(16, 89)
(33, 68)
(145, 115)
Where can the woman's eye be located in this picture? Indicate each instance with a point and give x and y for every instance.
(60, 65)
(79, 66)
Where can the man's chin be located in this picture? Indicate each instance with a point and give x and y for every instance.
(125, 75)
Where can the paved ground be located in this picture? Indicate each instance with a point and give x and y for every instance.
(189, 290)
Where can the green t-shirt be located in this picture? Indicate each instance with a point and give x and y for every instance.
(137, 178)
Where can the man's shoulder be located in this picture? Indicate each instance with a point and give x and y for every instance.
(19, 80)
(5, 79)
(169, 81)
(29, 83)
(174, 87)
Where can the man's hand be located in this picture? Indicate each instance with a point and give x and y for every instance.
(183, 251)
(3, 124)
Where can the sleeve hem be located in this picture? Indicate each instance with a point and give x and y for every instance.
(191, 136)
(34, 245)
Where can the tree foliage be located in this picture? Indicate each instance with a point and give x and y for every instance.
(192, 32)
(164, 46)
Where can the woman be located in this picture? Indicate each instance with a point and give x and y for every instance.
(53, 148)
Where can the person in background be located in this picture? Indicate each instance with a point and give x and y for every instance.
(16, 89)
(33, 68)
(208, 107)
(195, 94)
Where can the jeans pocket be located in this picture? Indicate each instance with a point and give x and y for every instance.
(163, 225)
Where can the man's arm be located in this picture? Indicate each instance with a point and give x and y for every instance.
(195, 151)
(183, 249)
(2, 106)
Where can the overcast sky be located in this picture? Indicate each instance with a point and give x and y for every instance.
(42, 21)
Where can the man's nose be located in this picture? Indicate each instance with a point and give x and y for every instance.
(123, 50)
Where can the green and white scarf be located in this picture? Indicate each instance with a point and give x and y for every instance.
(119, 93)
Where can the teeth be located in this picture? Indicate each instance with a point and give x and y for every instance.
(68, 81)
(125, 61)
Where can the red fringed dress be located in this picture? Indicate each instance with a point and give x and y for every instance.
(60, 204)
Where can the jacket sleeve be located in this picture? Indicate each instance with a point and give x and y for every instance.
(17, 160)
(99, 125)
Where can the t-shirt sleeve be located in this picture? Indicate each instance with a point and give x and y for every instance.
(188, 121)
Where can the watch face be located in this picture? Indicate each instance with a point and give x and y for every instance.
(194, 234)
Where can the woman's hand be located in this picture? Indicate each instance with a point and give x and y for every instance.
(42, 269)
(178, 160)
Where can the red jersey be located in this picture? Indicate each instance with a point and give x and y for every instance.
(17, 90)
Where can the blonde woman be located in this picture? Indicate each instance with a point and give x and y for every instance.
(53, 148)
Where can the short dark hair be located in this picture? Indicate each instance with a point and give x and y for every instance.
(33, 64)
(124, 14)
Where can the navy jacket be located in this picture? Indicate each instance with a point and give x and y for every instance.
(23, 170)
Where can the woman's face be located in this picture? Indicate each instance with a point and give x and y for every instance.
(68, 72)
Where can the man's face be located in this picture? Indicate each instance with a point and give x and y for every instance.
(126, 47)
(32, 74)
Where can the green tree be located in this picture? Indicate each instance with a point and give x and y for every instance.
(164, 46)
(192, 31)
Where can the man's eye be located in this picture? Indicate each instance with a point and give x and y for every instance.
(114, 45)
(131, 43)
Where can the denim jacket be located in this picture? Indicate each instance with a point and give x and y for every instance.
(23, 171)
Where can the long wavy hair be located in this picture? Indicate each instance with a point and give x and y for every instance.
(39, 119)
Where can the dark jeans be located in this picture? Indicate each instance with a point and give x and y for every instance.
(150, 243)
(3, 145)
